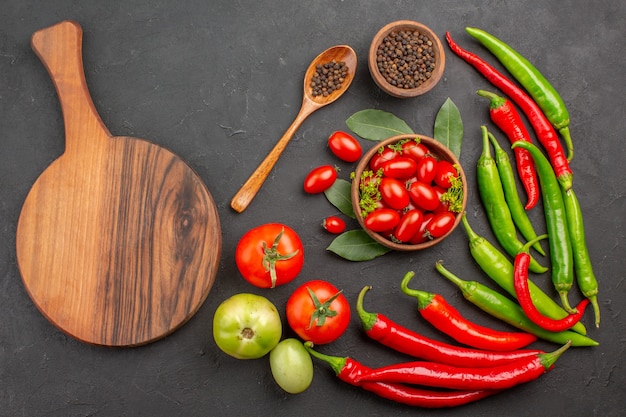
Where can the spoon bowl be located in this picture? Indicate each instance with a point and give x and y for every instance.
(310, 103)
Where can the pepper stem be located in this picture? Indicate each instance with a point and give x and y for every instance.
(336, 363)
(464, 286)
(486, 154)
(367, 319)
(423, 298)
(564, 131)
(526, 247)
(495, 100)
(548, 359)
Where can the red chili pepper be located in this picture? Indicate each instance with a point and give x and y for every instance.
(544, 130)
(439, 375)
(507, 118)
(349, 370)
(443, 316)
(380, 328)
(520, 279)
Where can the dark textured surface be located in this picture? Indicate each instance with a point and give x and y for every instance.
(218, 82)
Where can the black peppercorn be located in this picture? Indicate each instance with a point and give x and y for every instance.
(406, 58)
(328, 77)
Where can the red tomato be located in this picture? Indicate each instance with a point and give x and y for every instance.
(394, 193)
(382, 219)
(445, 170)
(414, 150)
(320, 179)
(424, 196)
(318, 312)
(442, 206)
(345, 146)
(269, 255)
(440, 224)
(381, 157)
(421, 235)
(409, 225)
(426, 169)
(334, 224)
(400, 167)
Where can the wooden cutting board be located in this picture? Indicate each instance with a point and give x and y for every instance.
(118, 242)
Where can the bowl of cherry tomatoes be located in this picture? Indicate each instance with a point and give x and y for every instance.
(409, 192)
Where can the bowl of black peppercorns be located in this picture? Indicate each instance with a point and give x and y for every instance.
(406, 59)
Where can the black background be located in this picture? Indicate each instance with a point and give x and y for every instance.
(218, 82)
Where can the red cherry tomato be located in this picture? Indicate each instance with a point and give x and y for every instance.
(414, 150)
(394, 193)
(345, 146)
(440, 224)
(426, 169)
(320, 179)
(382, 219)
(424, 196)
(409, 225)
(269, 255)
(400, 167)
(421, 236)
(318, 312)
(381, 157)
(334, 224)
(445, 170)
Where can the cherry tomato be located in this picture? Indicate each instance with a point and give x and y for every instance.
(382, 219)
(334, 224)
(426, 169)
(440, 224)
(269, 255)
(345, 146)
(400, 167)
(424, 196)
(443, 206)
(377, 161)
(414, 150)
(394, 193)
(409, 225)
(247, 326)
(421, 235)
(445, 170)
(320, 179)
(318, 312)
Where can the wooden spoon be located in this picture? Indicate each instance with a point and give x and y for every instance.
(118, 241)
(310, 103)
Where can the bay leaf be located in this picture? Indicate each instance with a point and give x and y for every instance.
(339, 196)
(449, 127)
(356, 245)
(377, 125)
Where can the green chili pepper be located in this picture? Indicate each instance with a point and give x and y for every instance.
(505, 309)
(539, 88)
(498, 213)
(518, 213)
(556, 224)
(586, 279)
(497, 266)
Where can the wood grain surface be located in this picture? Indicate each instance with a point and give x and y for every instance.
(118, 241)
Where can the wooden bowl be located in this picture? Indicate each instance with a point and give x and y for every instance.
(438, 150)
(424, 85)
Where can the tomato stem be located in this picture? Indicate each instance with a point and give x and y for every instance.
(271, 256)
(322, 310)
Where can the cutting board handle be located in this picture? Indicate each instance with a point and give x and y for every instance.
(59, 47)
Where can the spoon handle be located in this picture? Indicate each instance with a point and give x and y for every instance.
(249, 189)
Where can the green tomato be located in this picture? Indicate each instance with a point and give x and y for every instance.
(291, 366)
(247, 326)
